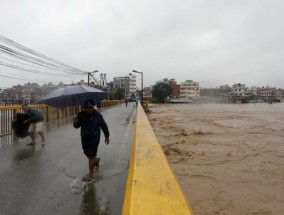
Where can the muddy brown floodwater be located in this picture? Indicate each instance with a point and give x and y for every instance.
(228, 158)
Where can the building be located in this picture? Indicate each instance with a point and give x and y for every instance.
(267, 94)
(184, 92)
(239, 93)
(280, 95)
(132, 85)
(124, 83)
(190, 89)
(175, 89)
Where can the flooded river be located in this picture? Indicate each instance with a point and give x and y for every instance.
(228, 158)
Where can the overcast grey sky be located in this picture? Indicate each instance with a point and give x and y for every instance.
(214, 42)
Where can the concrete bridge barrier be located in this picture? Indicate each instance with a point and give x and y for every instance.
(152, 187)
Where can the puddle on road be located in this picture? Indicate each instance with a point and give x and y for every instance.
(79, 186)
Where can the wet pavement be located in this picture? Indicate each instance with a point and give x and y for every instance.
(46, 179)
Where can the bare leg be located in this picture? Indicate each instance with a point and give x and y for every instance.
(32, 135)
(42, 136)
(97, 162)
(92, 164)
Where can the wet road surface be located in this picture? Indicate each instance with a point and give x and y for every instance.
(46, 179)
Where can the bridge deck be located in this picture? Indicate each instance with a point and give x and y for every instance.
(38, 180)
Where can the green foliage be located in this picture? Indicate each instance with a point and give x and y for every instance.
(161, 91)
(120, 93)
(116, 94)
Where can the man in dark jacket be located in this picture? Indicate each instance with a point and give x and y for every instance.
(36, 120)
(91, 123)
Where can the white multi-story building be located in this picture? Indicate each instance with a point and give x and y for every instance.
(240, 90)
(190, 89)
(128, 83)
(132, 85)
(240, 93)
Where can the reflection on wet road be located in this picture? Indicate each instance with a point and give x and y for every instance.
(39, 179)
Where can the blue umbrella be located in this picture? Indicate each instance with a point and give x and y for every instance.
(72, 95)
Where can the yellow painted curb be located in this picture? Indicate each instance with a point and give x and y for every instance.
(152, 188)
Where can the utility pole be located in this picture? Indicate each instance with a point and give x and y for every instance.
(88, 78)
(91, 76)
(103, 80)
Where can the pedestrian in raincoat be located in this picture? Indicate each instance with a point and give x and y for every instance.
(91, 123)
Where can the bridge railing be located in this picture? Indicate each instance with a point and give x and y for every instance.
(152, 187)
(52, 114)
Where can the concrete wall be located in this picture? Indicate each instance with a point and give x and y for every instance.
(152, 187)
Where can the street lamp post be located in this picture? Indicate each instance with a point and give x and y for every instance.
(141, 73)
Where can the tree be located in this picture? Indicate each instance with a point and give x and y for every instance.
(161, 91)
(116, 93)
(120, 93)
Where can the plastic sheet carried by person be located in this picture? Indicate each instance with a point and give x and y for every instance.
(19, 127)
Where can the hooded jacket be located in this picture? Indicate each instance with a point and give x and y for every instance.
(91, 125)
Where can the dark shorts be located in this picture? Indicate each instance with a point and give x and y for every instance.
(90, 150)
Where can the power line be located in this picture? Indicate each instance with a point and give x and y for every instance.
(19, 62)
(26, 49)
(33, 60)
(20, 78)
(30, 70)
(36, 62)
(34, 81)
(9, 74)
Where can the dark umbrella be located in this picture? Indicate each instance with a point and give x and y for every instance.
(72, 95)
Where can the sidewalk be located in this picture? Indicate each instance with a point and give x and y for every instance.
(36, 180)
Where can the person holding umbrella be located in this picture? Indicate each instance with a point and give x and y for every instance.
(91, 123)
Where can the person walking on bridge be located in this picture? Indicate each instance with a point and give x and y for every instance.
(36, 120)
(91, 123)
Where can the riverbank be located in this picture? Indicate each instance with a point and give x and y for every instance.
(228, 158)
